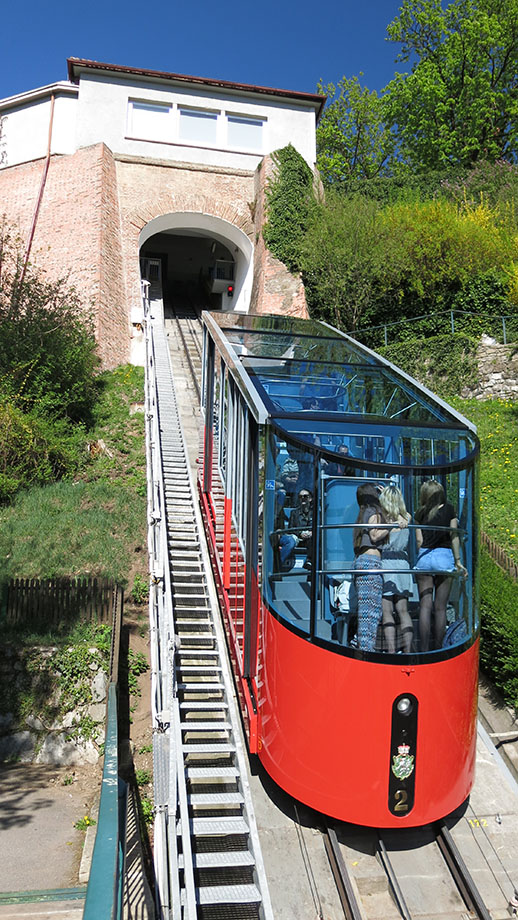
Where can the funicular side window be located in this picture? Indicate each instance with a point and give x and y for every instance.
(223, 423)
(239, 482)
(287, 530)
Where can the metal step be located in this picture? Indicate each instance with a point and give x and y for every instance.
(198, 652)
(212, 772)
(224, 860)
(228, 894)
(223, 748)
(215, 827)
(198, 705)
(219, 799)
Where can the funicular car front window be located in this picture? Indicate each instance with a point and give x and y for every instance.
(311, 525)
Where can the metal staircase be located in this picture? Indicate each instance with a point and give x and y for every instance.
(207, 855)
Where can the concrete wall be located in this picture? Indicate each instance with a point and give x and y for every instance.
(99, 110)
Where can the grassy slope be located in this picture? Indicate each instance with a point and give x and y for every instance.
(95, 524)
(496, 421)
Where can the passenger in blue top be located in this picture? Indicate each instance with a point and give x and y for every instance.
(438, 556)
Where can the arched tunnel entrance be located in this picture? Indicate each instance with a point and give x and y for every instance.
(197, 260)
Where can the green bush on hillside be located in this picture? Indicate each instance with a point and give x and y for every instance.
(48, 358)
(48, 374)
(35, 450)
(365, 264)
(446, 365)
(343, 255)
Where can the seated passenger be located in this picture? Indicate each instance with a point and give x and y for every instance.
(339, 469)
(397, 585)
(299, 530)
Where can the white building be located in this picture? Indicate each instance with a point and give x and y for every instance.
(180, 158)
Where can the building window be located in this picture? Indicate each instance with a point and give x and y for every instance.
(198, 126)
(150, 120)
(245, 132)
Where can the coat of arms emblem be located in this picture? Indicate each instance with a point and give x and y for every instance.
(403, 762)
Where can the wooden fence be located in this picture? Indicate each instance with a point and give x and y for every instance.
(54, 602)
(499, 556)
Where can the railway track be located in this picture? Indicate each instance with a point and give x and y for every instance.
(207, 856)
(187, 325)
(419, 874)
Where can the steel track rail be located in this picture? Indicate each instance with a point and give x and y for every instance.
(351, 903)
(207, 853)
(392, 877)
(194, 337)
(460, 872)
(346, 892)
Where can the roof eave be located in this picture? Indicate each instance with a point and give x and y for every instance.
(76, 65)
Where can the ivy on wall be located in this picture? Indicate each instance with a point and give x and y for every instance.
(288, 196)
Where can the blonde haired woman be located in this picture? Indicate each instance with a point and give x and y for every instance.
(397, 585)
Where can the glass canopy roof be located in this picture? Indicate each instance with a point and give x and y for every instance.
(302, 369)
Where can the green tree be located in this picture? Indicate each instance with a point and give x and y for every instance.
(48, 374)
(459, 103)
(48, 356)
(353, 140)
(343, 254)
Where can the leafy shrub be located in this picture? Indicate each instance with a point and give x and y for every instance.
(446, 365)
(48, 354)
(343, 254)
(35, 450)
(140, 590)
(364, 263)
(288, 198)
(499, 628)
(437, 250)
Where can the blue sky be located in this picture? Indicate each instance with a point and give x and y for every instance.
(287, 45)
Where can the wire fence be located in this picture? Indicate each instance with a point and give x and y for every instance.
(504, 329)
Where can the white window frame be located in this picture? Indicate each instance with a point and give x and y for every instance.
(250, 119)
(211, 116)
(162, 109)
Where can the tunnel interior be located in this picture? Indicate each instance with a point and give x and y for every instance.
(195, 269)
